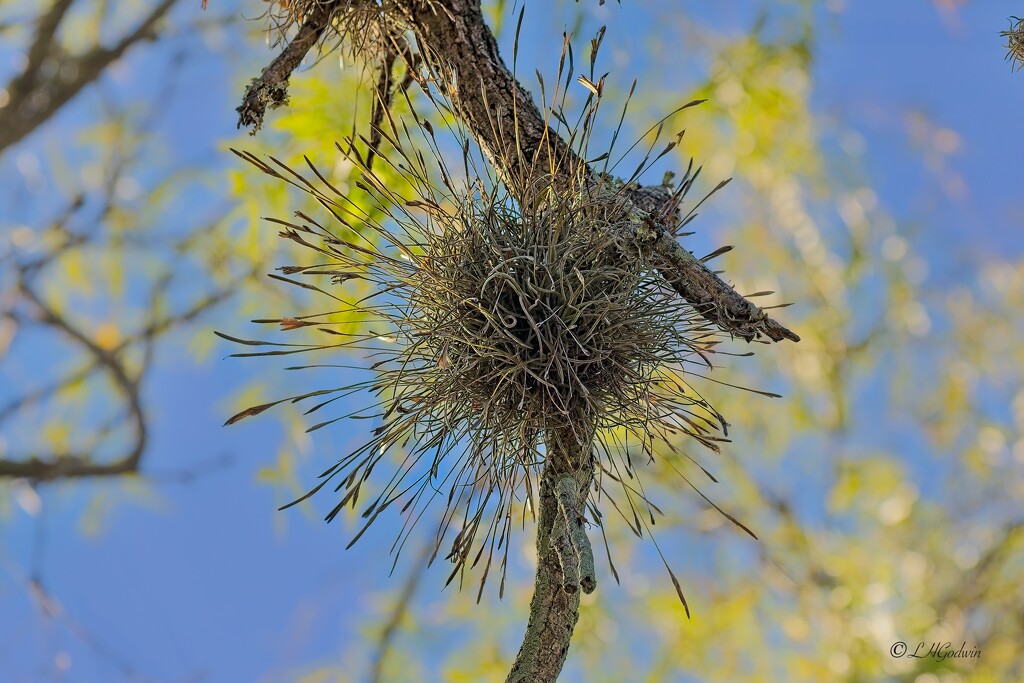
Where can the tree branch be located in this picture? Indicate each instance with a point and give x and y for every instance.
(387, 635)
(562, 564)
(462, 55)
(76, 465)
(80, 464)
(33, 100)
(270, 89)
(461, 51)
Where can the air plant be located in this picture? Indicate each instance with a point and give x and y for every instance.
(504, 313)
(1015, 43)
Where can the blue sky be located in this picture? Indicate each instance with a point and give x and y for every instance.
(206, 581)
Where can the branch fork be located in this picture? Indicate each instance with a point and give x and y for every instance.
(453, 40)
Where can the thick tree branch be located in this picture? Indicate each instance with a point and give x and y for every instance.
(65, 466)
(461, 50)
(46, 29)
(562, 564)
(490, 100)
(462, 56)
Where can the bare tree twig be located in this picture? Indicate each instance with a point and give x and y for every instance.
(70, 464)
(387, 635)
(187, 475)
(150, 331)
(34, 98)
(55, 610)
(81, 464)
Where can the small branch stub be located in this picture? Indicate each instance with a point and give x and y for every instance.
(270, 88)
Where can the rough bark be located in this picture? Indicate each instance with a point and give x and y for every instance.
(270, 89)
(565, 562)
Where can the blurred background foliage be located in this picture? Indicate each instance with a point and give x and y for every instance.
(885, 487)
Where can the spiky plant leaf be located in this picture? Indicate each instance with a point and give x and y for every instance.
(504, 310)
